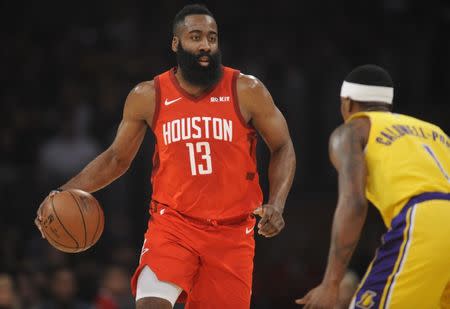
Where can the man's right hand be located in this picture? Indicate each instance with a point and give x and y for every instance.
(38, 219)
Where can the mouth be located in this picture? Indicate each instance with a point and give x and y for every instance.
(203, 61)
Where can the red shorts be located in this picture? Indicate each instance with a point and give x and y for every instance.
(211, 261)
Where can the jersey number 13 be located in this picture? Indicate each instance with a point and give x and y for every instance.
(202, 166)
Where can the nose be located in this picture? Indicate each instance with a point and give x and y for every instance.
(205, 46)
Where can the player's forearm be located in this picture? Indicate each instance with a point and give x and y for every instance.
(348, 222)
(281, 174)
(98, 173)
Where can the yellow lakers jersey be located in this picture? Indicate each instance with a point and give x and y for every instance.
(405, 157)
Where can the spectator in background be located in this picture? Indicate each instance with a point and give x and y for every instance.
(67, 152)
(8, 298)
(114, 291)
(29, 287)
(63, 291)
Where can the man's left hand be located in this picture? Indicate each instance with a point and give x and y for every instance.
(271, 222)
(322, 297)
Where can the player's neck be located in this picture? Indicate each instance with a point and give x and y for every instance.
(193, 90)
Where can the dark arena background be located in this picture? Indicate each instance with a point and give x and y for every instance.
(67, 67)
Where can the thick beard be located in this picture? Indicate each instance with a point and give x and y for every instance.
(196, 74)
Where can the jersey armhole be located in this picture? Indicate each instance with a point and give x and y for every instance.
(237, 108)
(157, 102)
(368, 135)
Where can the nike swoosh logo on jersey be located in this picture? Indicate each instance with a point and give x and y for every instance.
(167, 102)
(248, 230)
(144, 250)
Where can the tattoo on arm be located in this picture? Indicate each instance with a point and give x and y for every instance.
(347, 154)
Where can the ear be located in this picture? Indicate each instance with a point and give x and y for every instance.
(344, 104)
(351, 106)
(175, 42)
(345, 107)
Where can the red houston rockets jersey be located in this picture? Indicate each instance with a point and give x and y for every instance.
(204, 165)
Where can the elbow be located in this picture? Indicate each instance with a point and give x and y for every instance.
(360, 206)
(119, 163)
(288, 152)
(355, 205)
(286, 148)
(122, 164)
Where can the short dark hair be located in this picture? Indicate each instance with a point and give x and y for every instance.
(370, 74)
(370, 106)
(190, 9)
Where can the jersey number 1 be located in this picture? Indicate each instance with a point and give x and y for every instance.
(203, 149)
(433, 155)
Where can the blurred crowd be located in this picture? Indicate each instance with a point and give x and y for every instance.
(67, 70)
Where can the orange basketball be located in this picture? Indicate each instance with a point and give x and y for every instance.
(72, 220)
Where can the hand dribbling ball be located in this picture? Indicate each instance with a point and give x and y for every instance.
(72, 220)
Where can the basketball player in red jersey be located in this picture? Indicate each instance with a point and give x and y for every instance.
(205, 118)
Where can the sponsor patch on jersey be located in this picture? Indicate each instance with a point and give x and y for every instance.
(220, 99)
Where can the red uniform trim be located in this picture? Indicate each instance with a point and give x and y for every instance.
(227, 221)
(157, 102)
(237, 109)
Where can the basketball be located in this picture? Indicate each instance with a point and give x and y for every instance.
(72, 220)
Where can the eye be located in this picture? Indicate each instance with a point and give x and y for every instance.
(212, 39)
(195, 37)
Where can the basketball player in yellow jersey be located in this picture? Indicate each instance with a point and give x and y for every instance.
(401, 165)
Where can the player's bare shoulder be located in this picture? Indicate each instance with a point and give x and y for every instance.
(358, 128)
(144, 88)
(140, 103)
(249, 84)
(348, 135)
(252, 94)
